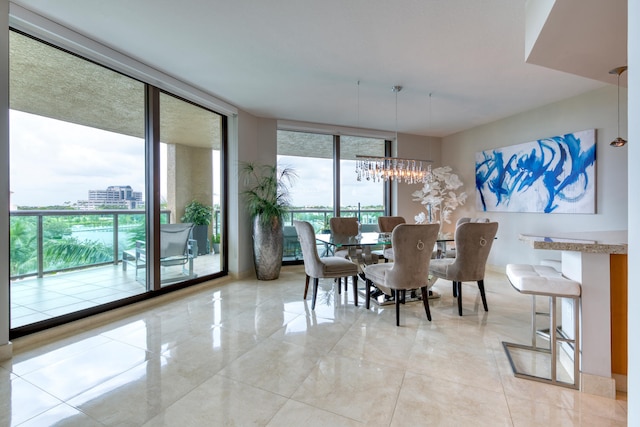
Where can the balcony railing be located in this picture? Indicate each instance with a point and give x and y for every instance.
(49, 241)
(52, 241)
(319, 218)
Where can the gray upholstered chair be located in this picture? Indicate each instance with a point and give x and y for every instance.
(473, 244)
(413, 244)
(386, 224)
(326, 267)
(344, 226)
(451, 253)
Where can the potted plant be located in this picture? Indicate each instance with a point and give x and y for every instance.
(200, 215)
(267, 198)
(215, 243)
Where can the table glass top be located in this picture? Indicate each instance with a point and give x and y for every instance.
(365, 239)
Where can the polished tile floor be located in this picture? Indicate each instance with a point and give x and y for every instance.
(250, 353)
(34, 299)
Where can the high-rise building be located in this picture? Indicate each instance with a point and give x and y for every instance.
(115, 196)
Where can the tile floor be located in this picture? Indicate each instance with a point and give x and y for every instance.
(251, 353)
(34, 299)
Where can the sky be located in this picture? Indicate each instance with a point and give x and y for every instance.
(53, 162)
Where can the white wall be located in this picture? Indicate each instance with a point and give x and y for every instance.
(633, 374)
(255, 140)
(597, 109)
(414, 147)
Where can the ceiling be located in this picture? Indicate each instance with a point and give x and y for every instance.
(461, 63)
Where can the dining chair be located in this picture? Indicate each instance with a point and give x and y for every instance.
(413, 244)
(386, 224)
(473, 243)
(343, 226)
(451, 253)
(326, 267)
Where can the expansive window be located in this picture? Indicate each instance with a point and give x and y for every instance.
(79, 173)
(317, 195)
(191, 139)
(364, 199)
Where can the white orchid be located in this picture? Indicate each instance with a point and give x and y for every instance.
(438, 196)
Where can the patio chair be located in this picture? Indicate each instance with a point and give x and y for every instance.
(176, 248)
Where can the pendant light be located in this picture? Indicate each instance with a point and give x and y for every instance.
(618, 142)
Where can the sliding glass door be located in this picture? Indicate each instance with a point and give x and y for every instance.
(80, 174)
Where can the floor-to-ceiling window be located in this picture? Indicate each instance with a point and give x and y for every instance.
(319, 193)
(191, 177)
(79, 177)
(362, 198)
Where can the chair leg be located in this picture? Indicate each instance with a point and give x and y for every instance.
(367, 293)
(482, 294)
(455, 290)
(339, 279)
(355, 289)
(397, 298)
(425, 301)
(459, 298)
(306, 286)
(315, 293)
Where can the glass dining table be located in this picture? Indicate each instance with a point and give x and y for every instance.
(363, 250)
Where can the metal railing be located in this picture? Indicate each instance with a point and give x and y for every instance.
(98, 221)
(319, 218)
(42, 222)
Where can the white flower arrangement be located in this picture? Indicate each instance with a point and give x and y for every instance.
(438, 196)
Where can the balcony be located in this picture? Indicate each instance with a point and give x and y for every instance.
(66, 261)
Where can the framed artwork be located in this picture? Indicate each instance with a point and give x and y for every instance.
(550, 175)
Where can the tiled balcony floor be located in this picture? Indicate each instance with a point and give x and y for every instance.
(251, 353)
(35, 299)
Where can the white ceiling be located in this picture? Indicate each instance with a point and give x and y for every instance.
(301, 60)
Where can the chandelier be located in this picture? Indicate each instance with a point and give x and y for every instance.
(376, 169)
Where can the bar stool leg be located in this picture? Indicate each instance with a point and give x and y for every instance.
(554, 337)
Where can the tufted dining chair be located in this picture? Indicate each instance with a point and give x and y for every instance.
(343, 226)
(325, 267)
(413, 244)
(451, 253)
(386, 224)
(473, 243)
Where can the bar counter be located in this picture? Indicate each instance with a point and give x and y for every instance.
(597, 260)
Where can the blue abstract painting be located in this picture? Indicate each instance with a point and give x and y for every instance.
(551, 175)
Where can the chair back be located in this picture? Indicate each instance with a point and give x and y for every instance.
(412, 246)
(174, 239)
(313, 267)
(466, 219)
(473, 244)
(344, 226)
(386, 224)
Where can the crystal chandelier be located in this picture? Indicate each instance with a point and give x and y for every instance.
(376, 169)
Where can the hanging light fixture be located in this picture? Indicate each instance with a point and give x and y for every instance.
(618, 142)
(376, 169)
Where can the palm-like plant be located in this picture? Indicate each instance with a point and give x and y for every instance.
(268, 191)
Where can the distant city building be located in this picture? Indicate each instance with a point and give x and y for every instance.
(115, 197)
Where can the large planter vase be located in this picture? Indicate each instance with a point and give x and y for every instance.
(267, 248)
(200, 234)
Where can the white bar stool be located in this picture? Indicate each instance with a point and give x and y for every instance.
(547, 281)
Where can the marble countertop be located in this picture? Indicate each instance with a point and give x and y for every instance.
(602, 242)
